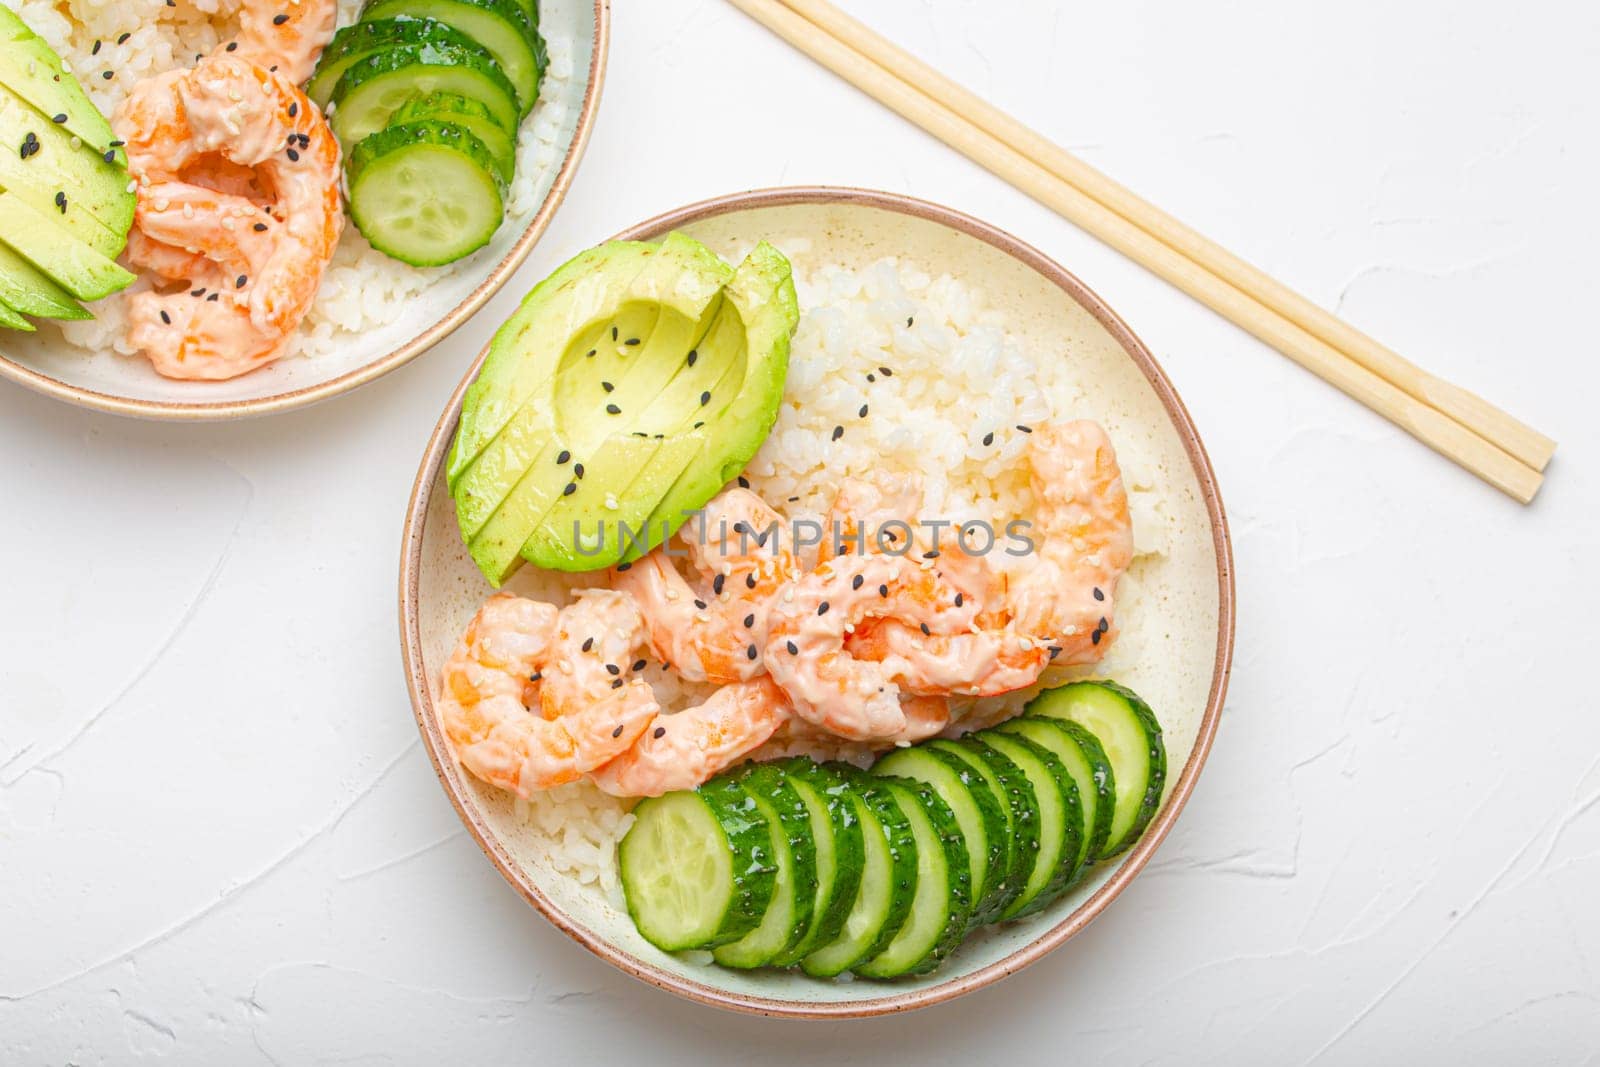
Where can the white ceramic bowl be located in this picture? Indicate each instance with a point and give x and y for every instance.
(1184, 675)
(127, 385)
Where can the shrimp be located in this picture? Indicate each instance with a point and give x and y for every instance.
(990, 659)
(486, 687)
(286, 36)
(591, 654)
(807, 652)
(715, 633)
(251, 263)
(683, 750)
(1065, 593)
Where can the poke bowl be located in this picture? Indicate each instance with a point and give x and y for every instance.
(976, 349)
(281, 313)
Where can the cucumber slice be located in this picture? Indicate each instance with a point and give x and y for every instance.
(1086, 761)
(836, 832)
(501, 26)
(943, 900)
(1020, 807)
(696, 868)
(425, 193)
(1130, 734)
(1060, 821)
(788, 915)
(376, 85)
(472, 116)
(1047, 733)
(977, 812)
(364, 38)
(888, 880)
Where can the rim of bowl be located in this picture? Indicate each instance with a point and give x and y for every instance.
(211, 411)
(1069, 925)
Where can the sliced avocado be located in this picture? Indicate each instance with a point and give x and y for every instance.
(522, 358)
(61, 174)
(30, 292)
(67, 261)
(575, 421)
(11, 320)
(29, 68)
(739, 416)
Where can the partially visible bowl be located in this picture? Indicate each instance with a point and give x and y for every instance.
(1184, 679)
(126, 385)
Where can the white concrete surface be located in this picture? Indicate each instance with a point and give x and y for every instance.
(220, 841)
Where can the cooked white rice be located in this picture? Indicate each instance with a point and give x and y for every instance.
(956, 376)
(363, 289)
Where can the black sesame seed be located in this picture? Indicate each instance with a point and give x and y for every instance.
(925, 631)
(701, 604)
(1098, 595)
(660, 731)
(294, 108)
(693, 355)
(744, 483)
(1054, 651)
(166, 318)
(61, 198)
(612, 668)
(863, 412)
(1094, 637)
(886, 372)
(616, 683)
(883, 590)
(613, 333)
(698, 425)
(705, 398)
(94, 51)
(294, 157)
(822, 608)
(590, 354)
(588, 643)
(871, 377)
(613, 409)
(617, 732)
(562, 457)
(572, 487)
(638, 665)
(623, 566)
(59, 118)
(1024, 429)
(212, 299)
(794, 650)
(107, 74)
(749, 622)
(260, 227)
(909, 321)
(717, 583)
(857, 582)
(959, 599)
(232, 45)
(535, 676)
(751, 653)
(123, 39)
(607, 386)
(110, 156)
(631, 341)
(279, 20)
(932, 553)
(988, 439)
(238, 283)
(838, 432)
(199, 292)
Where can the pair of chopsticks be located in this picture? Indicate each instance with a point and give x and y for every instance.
(1465, 428)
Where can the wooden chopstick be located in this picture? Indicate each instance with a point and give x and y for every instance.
(1424, 421)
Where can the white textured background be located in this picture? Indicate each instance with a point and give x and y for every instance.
(220, 841)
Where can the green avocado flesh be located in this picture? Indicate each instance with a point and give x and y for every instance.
(631, 385)
(65, 204)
